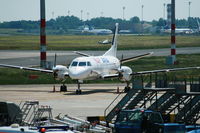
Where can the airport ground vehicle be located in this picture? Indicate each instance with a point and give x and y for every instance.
(143, 121)
(15, 128)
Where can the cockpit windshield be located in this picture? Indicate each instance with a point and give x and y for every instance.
(82, 63)
(74, 63)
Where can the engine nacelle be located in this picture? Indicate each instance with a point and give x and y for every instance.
(59, 72)
(60, 76)
(125, 73)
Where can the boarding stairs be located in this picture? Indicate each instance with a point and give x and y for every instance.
(193, 113)
(39, 117)
(139, 101)
(119, 103)
(168, 102)
(158, 103)
(135, 98)
(27, 108)
(175, 99)
(192, 102)
(175, 102)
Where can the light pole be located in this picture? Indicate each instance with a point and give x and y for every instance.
(81, 15)
(164, 11)
(142, 13)
(68, 12)
(52, 15)
(123, 11)
(88, 15)
(101, 14)
(142, 18)
(189, 3)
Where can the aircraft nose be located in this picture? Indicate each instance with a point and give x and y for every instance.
(78, 73)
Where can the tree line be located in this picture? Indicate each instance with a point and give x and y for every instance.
(66, 23)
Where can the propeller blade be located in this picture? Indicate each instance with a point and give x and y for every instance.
(55, 74)
(55, 60)
(121, 61)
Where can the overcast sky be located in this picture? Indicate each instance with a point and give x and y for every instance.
(153, 9)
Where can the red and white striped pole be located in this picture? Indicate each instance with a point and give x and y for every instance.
(42, 35)
(173, 32)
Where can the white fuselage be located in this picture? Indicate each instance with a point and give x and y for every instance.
(179, 31)
(93, 67)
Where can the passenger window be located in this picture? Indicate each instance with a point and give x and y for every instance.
(82, 64)
(89, 64)
(74, 63)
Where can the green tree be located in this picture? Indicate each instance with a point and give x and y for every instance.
(135, 20)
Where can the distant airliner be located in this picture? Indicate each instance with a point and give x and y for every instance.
(97, 31)
(90, 67)
(179, 31)
(183, 30)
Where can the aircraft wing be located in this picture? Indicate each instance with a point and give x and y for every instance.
(135, 57)
(151, 71)
(165, 70)
(27, 68)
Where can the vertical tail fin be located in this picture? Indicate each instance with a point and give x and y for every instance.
(113, 50)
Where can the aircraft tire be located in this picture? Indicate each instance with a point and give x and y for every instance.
(126, 89)
(78, 92)
(63, 88)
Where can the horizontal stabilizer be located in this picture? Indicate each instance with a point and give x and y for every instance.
(80, 53)
(135, 57)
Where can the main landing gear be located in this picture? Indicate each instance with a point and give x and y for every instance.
(63, 88)
(127, 88)
(78, 91)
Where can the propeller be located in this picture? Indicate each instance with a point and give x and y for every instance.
(54, 66)
(121, 61)
(120, 71)
(55, 73)
(55, 60)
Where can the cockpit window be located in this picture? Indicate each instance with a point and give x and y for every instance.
(82, 64)
(89, 64)
(74, 63)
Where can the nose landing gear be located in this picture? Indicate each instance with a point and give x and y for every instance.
(78, 91)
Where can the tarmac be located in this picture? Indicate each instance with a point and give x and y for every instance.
(92, 102)
(32, 57)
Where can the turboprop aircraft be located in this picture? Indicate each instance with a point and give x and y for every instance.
(89, 67)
